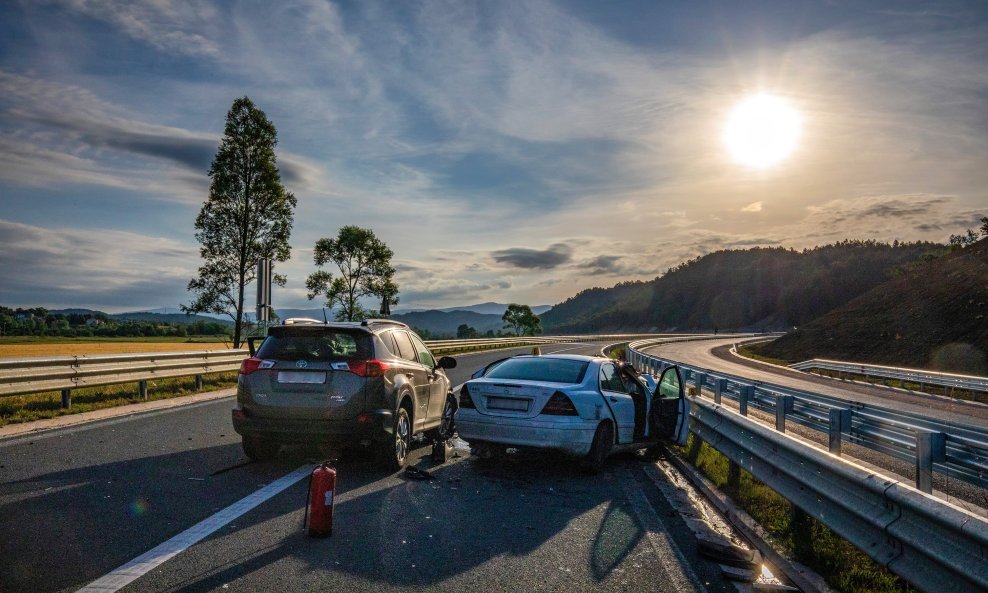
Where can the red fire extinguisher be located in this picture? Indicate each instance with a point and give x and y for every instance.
(319, 506)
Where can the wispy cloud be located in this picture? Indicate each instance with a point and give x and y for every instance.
(172, 26)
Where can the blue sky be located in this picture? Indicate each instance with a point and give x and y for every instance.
(507, 151)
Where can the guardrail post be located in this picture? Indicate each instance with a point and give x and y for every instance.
(698, 382)
(720, 386)
(143, 386)
(840, 422)
(66, 398)
(747, 391)
(198, 382)
(931, 447)
(783, 405)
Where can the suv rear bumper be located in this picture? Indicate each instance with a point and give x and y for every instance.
(374, 424)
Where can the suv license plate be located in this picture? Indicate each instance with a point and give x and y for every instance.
(301, 377)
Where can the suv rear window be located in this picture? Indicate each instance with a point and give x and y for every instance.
(315, 344)
(553, 370)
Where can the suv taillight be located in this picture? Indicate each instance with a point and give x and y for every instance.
(249, 365)
(465, 400)
(559, 405)
(368, 368)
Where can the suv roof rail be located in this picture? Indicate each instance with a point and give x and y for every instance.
(383, 322)
(301, 320)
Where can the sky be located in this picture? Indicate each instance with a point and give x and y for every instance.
(506, 151)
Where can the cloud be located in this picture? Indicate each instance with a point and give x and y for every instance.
(753, 207)
(605, 264)
(546, 259)
(164, 24)
(101, 268)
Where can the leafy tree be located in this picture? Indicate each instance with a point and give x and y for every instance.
(464, 331)
(522, 319)
(984, 226)
(247, 216)
(365, 268)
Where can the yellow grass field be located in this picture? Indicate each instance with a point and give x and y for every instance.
(22, 350)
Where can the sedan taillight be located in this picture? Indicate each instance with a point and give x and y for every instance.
(559, 405)
(465, 400)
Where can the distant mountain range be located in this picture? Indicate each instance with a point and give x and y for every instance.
(176, 317)
(482, 317)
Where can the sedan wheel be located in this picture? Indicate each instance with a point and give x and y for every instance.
(603, 439)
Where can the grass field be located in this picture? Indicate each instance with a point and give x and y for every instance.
(33, 346)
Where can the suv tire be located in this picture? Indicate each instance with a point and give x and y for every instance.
(258, 449)
(447, 424)
(394, 451)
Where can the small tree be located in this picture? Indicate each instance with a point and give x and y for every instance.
(522, 320)
(464, 331)
(247, 216)
(365, 268)
(984, 226)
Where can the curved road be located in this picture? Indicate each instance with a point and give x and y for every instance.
(713, 355)
(76, 504)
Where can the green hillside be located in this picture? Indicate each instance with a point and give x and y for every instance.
(760, 288)
(933, 315)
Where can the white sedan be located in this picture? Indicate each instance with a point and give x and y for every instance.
(582, 405)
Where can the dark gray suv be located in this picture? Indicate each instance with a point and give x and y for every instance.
(372, 384)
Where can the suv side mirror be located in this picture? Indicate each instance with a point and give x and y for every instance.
(446, 362)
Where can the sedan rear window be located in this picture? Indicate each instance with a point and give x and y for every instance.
(552, 370)
(296, 344)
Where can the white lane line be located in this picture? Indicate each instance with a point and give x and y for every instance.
(151, 559)
(670, 557)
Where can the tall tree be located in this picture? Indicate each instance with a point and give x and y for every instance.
(247, 216)
(522, 319)
(365, 268)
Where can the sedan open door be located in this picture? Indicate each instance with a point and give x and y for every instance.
(670, 413)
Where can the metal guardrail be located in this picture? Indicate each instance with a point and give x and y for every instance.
(20, 376)
(956, 450)
(933, 544)
(916, 376)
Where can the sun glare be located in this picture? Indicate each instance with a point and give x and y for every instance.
(762, 131)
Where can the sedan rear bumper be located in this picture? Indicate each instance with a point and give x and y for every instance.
(569, 436)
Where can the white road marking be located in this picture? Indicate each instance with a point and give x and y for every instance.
(677, 568)
(151, 559)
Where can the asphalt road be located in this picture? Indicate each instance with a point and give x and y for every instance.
(76, 504)
(714, 355)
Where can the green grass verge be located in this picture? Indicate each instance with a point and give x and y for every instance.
(801, 537)
(38, 406)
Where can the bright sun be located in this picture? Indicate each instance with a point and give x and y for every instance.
(762, 130)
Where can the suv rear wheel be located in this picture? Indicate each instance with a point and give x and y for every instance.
(394, 451)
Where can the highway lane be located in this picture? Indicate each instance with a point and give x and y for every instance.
(76, 504)
(713, 355)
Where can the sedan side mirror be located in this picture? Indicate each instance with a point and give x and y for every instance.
(446, 362)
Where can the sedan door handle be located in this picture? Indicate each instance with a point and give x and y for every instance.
(613, 399)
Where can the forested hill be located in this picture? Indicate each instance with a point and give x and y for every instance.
(755, 289)
(934, 315)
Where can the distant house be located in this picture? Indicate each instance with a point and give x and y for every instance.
(24, 316)
(92, 322)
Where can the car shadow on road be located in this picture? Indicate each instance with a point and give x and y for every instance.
(473, 522)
